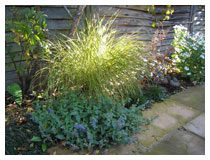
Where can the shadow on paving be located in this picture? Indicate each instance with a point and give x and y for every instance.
(189, 140)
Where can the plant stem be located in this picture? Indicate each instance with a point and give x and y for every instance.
(76, 20)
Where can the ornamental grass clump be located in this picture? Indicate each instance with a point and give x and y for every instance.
(96, 61)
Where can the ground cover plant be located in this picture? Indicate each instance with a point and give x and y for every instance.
(155, 93)
(82, 122)
(19, 128)
(18, 137)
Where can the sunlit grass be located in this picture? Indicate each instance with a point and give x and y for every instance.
(96, 61)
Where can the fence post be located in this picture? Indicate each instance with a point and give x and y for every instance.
(191, 18)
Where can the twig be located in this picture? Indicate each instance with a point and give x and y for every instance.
(68, 11)
(76, 20)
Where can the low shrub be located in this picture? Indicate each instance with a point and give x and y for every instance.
(82, 122)
(189, 55)
(163, 72)
(155, 93)
(139, 99)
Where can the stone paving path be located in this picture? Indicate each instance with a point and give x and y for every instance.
(179, 129)
(188, 140)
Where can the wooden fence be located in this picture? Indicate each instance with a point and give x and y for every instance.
(135, 19)
(130, 19)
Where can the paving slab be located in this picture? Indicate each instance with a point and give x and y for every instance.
(130, 149)
(165, 121)
(180, 143)
(176, 109)
(151, 135)
(193, 97)
(171, 114)
(197, 126)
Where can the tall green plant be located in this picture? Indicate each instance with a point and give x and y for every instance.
(28, 28)
(96, 61)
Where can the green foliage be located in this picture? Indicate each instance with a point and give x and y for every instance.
(15, 90)
(28, 28)
(155, 93)
(82, 122)
(189, 55)
(151, 10)
(165, 14)
(97, 62)
(139, 99)
(18, 136)
(36, 139)
(44, 147)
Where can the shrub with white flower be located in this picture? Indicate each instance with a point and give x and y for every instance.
(189, 54)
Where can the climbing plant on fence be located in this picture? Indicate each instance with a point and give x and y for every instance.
(164, 16)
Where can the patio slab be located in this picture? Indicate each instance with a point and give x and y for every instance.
(192, 97)
(171, 115)
(180, 143)
(197, 126)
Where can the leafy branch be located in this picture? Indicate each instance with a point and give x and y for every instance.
(27, 27)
